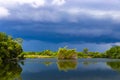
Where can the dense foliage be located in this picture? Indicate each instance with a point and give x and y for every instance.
(113, 52)
(9, 48)
(64, 53)
(85, 51)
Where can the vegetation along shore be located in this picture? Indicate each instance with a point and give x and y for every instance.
(11, 49)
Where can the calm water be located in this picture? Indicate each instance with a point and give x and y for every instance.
(52, 69)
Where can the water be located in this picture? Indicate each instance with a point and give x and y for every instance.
(52, 69)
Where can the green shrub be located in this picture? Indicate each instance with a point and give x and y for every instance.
(46, 53)
(82, 55)
(64, 53)
(113, 52)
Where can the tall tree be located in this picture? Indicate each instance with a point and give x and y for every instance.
(9, 48)
(85, 51)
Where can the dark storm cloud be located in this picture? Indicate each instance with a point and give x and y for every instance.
(62, 21)
(90, 31)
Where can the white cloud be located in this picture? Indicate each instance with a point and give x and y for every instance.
(94, 13)
(58, 2)
(4, 12)
(34, 3)
(13, 3)
(36, 15)
(69, 10)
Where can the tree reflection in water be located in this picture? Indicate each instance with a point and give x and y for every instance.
(114, 65)
(10, 71)
(87, 63)
(47, 63)
(67, 65)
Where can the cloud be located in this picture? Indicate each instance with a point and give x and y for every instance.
(62, 21)
(93, 13)
(4, 12)
(85, 31)
(61, 10)
(58, 2)
(13, 3)
(33, 3)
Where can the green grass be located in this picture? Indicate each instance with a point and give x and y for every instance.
(38, 56)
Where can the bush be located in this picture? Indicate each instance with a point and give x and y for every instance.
(95, 54)
(46, 53)
(82, 55)
(64, 53)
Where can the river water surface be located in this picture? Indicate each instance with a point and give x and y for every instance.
(52, 69)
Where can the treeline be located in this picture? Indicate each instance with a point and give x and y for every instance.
(65, 53)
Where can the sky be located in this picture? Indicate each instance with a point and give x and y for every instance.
(51, 24)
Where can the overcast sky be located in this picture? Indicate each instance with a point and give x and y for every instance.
(50, 24)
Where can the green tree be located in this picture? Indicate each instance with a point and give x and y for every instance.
(95, 54)
(19, 40)
(85, 51)
(9, 49)
(82, 55)
(47, 52)
(113, 52)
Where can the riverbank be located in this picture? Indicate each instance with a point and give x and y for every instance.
(38, 56)
(42, 56)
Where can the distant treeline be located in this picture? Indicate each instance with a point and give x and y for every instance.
(65, 53)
